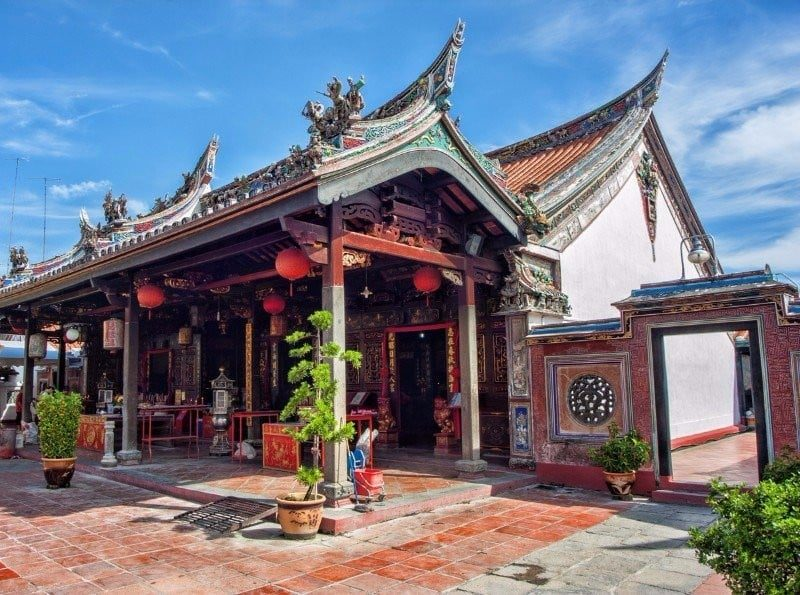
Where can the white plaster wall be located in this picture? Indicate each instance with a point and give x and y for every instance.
(612, 255)
(701, 383)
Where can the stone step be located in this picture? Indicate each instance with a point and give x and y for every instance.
(680, 497)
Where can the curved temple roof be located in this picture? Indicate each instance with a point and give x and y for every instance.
(341, 142)
(535, 161)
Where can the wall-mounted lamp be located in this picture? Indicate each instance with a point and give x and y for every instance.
(697, 253)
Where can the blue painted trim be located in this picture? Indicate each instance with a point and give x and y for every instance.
(573, 328)
(701, 284)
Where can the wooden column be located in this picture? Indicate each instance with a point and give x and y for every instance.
(27, 372)
(471, 463)
(336, 484)
(62, 361)
(130, 454)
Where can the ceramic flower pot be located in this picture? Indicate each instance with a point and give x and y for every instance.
(300, 519)
(620, 484)
(58, 472)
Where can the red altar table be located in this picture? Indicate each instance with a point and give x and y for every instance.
(282, 452)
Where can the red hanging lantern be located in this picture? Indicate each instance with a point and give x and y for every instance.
(150, 296)
(273, 304)
(292, 264)
(427, 279)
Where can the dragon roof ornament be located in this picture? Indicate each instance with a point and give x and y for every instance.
(328, 123)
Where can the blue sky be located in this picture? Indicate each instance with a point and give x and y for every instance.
(126, 94)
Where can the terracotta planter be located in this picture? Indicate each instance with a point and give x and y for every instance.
(300, 519)
(58, 472)
(620, 484)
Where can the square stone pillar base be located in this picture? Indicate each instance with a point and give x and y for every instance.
(471, 469)
(334, 492)
(129, 457)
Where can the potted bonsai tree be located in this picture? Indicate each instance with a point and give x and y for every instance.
(620, 456)
(59, 416)
(300, 513)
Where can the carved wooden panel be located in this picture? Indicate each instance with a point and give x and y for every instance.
(481, 358)
(353, 374)
(372, 362)
(494, 430)
(500, 358)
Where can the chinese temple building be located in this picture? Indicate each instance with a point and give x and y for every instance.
(436, 260)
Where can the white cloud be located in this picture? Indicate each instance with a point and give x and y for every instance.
(780, 254)
(68, 191)
(767, 137)
(67, 122)
(155, 49)
(39, 143)
(205, 95)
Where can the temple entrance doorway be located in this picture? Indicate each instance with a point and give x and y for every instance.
(711, 412)
(421, 376)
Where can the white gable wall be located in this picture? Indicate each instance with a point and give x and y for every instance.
(613, 256)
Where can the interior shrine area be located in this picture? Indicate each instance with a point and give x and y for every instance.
(227, 310)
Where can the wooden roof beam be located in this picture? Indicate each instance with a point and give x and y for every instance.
(452, 261)
(214, 255)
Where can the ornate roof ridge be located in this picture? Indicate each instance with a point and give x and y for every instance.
(645, 92)
(435, 83)
(119, 229)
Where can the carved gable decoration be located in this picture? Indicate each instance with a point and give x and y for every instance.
(529, 287)
(647, 175)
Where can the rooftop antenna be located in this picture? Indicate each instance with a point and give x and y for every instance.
(44, 223)
(13, 200)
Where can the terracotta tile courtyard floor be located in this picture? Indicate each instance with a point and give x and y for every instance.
(733, 458)
(101, 535)
(415, 482)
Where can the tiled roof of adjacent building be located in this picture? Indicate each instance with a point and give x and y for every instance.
(532, 162)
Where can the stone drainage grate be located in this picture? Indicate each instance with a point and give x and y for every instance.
(229, 514)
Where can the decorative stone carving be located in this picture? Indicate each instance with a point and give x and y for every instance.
(443, 416)
(647, 175)
(455, 277)
(527, 288)
(115, 209)
(90, 235)
(532, 220)
(354, 258)
(18, 259)
(386, 420)
(327, 123)
(591, 399)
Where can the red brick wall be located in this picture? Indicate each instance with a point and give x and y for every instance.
(779, 341)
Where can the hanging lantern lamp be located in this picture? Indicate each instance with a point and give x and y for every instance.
(72, 334)
(37, 346)
(113, 334)
(150, 296)
(292, 264)
(273, 304)
(427, 279)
